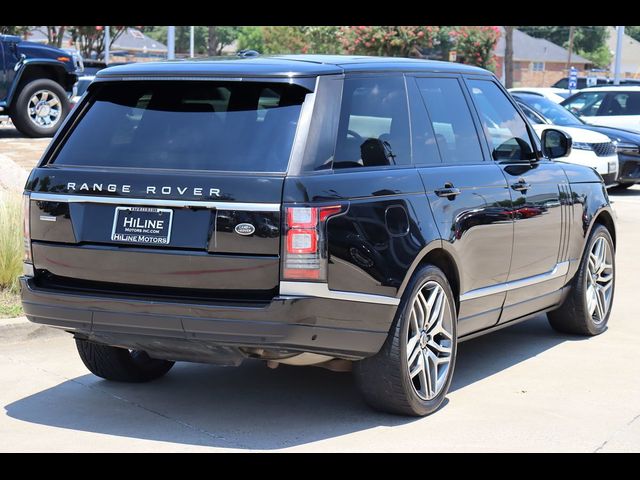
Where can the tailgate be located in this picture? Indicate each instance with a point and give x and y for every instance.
(217, 233)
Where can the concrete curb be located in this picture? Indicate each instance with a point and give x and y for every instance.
(4, 322)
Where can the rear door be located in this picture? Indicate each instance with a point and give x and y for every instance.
(170, 188)
(468, 195)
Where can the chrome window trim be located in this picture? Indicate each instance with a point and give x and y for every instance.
(558, 271)
(158, 202)
(311, 289)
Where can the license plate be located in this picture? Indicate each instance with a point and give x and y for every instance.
(142, 225)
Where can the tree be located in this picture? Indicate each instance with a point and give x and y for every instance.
(90, 40)
(251, 38)
(302, 39)
(284, 39)
(396, 41)
(219, 37)
(587, 39)
(601, 57)
(475, 45)
(55, 35)
(633, 32)
(508, 57)
(14, 30)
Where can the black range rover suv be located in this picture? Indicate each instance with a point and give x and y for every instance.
(348, 212)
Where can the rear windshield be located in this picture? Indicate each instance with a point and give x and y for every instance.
(187, 125)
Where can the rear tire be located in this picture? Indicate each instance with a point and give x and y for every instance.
(390, 381)
(33, 97)
(587, 308)
(120, 364)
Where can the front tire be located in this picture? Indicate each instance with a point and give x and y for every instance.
(412, 372)
(120, 364)
(587, 308)
(40, 108)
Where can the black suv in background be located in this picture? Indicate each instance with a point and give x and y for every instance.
(35, 82)
(347, 212)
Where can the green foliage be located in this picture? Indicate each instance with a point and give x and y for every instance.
(251, 38)
(633, 32)
(299, 39)
(11, 249)
(219, 37)
(284, 39)
(600, 57)
(586, 39)
(14, 30)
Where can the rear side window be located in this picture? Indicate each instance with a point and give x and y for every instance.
(374, 123)
(187, 125)
(451, 119)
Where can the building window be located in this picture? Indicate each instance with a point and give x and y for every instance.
(537, 66)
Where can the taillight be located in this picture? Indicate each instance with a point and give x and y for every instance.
(305, 249)
(26, 213)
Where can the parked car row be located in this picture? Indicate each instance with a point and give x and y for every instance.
(613, 152)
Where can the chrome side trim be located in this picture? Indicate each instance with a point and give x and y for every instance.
(310, 289)
(157, 202)
(558, 271)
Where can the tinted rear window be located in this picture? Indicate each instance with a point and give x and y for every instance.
(187, 125)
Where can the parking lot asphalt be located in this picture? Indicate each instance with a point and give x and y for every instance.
(524, 388)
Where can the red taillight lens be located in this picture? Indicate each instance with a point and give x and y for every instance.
(302, 241)
(26, 215)
(302, 217)
(305, 251)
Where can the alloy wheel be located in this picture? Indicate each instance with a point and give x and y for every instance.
(44, 108)
(600, 280)
(429, 340)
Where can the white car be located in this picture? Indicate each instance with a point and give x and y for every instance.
(617, 106)
(589, 148)
(554, 94)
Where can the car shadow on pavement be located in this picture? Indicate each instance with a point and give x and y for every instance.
(7, 131)
(253, 407)
(632, 191)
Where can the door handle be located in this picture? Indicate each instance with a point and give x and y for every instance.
(520, 186)
(448, 191)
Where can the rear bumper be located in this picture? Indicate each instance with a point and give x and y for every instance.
(341, 328)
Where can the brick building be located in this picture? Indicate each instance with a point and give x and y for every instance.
(537, 62)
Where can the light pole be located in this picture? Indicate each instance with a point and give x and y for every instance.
(171, 43)
(618, 63)
(191, 42)
(107, 42)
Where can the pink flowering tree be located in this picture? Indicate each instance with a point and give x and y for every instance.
(474, 45)
(395, 41)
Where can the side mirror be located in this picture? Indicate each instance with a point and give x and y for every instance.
(555, 143)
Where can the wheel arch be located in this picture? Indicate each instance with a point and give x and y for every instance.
(435, 254)
(604, 217)
(38, 69)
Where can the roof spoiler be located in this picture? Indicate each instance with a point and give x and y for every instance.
(247, 53)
